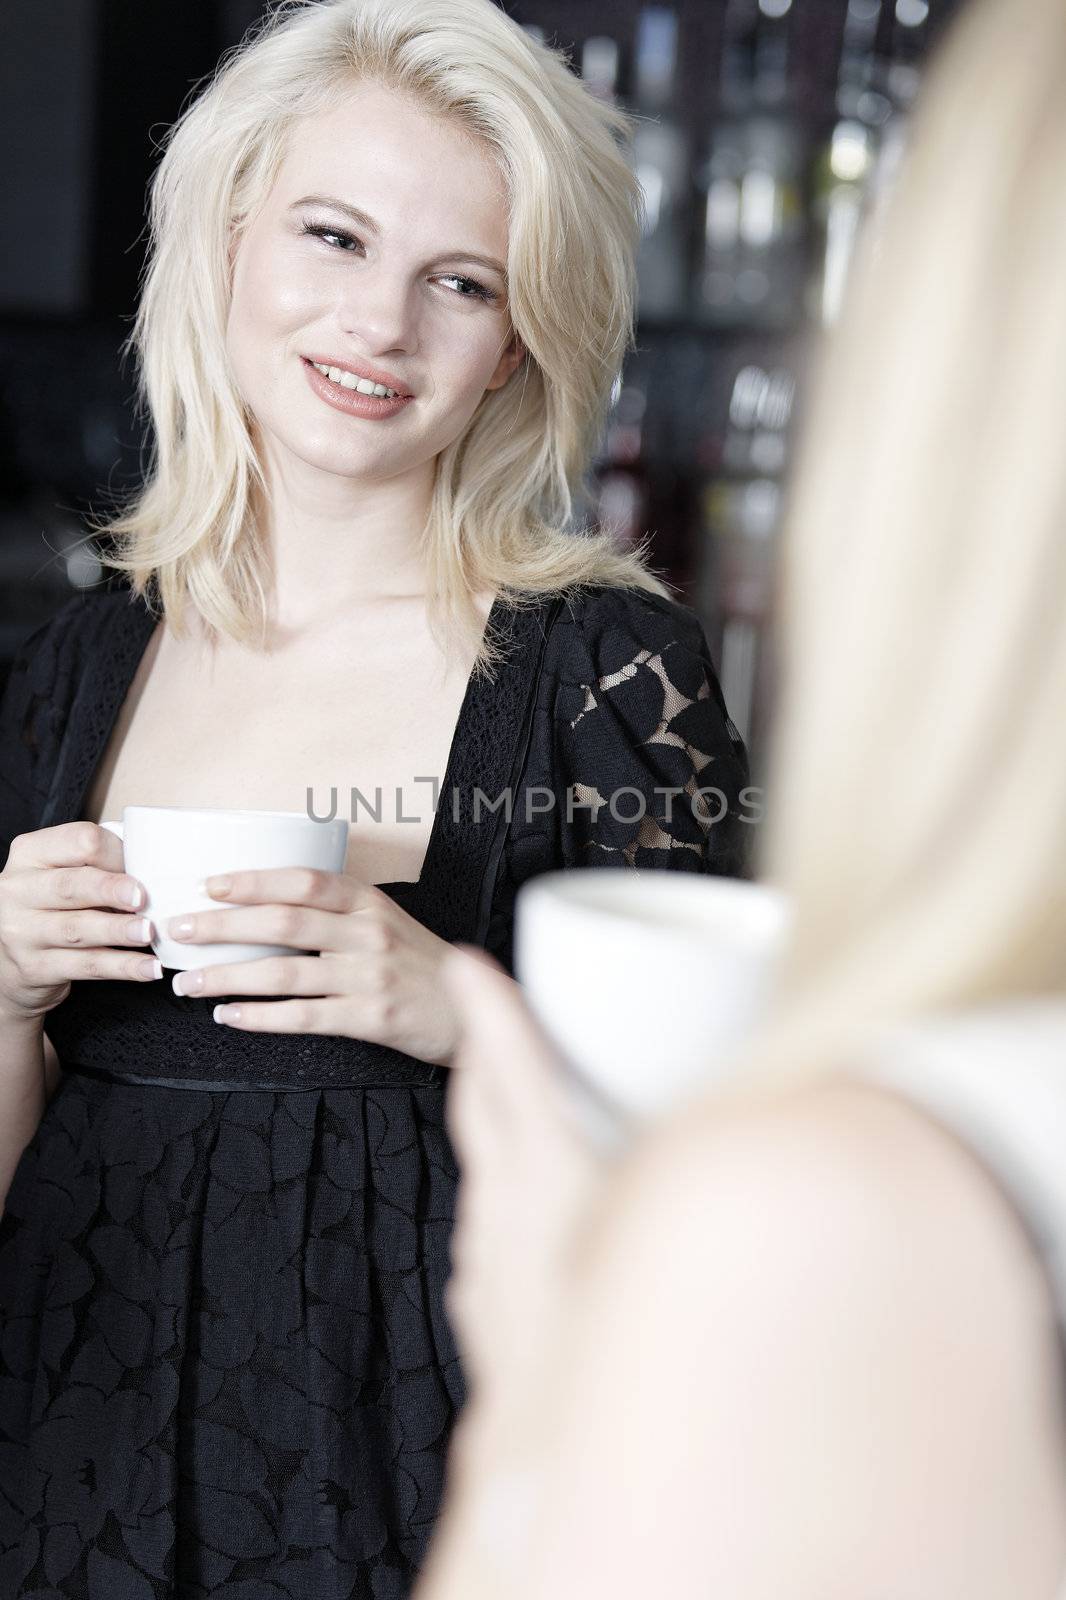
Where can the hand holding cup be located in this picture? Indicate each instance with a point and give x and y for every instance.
(68, 910)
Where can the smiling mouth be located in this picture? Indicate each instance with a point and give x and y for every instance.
(348, 380)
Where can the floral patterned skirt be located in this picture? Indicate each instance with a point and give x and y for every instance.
(225, 1367)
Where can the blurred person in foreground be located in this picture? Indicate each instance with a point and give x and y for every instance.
(806, 1339)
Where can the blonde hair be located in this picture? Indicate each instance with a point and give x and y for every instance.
(917, 812)
(504, 491)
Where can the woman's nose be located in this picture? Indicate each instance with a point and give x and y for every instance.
(379, 310)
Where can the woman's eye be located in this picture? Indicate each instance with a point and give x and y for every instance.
(469, 288)
(320, 232)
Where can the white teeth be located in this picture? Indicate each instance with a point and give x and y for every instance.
(349, 381)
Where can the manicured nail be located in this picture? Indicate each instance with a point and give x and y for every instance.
(227, 1013)
(187, 982)
(132, 894)
(151, 969)
(217, 886)
(140, 930)
(180, 927)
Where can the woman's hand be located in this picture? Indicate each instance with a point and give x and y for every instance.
(528, 1178)
(377, 976)
(65, 901)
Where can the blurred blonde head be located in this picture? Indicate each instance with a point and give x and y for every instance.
(918, 794)
(504, 491)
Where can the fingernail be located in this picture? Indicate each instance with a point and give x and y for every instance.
(226, 1013)
(132, 895)
(180, 927)
(151, 969)
(220, 885)
(187, 982)
(140, 930)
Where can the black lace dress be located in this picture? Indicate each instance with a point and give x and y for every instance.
(225, 1367)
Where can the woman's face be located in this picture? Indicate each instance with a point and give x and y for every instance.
(401, 292)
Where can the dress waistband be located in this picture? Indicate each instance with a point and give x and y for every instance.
(421, 1075)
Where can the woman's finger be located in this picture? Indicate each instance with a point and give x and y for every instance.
(300, 927)
(496, 1017)
(297, 886)
(268, 975)
(476, 1122)
(502, 1042)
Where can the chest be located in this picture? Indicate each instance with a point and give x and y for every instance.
(347, 727)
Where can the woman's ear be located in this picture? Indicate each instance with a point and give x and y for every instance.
(509, 360)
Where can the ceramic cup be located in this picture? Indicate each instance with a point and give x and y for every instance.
(171, 849)
(645, 982)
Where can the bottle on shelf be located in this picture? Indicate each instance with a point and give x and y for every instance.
(752, 259)
(599, 66)
(720, 176)
(661, 163)
(735, 585)
(621, 486)
(769, 282)
(740, 509)
(760, 410)
(855, 170)
(899, 77)
(841, 175)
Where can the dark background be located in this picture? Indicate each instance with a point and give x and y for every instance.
(698, 446)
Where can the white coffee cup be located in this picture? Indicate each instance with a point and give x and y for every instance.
(645, 982)
(171, 849)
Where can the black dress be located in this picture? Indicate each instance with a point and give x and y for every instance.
(225, 1367)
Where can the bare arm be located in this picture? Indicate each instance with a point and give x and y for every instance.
(51, 1068)
(809, 1354)
(22, 1091)
(56, 890)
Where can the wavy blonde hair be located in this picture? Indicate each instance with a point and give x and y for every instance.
(504, 491)
(917, 812)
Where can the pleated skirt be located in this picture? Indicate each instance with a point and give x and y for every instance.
(225, 1367)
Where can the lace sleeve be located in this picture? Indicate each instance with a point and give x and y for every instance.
(33, 715)
(650, 771)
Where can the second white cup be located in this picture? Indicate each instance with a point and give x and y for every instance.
(645, 981)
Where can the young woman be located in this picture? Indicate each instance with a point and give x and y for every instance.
(389, 292)
(808, 1340)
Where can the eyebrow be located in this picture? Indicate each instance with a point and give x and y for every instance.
(364, 220)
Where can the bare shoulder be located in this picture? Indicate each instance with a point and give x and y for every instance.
(839, 1324)
(844, 1176)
